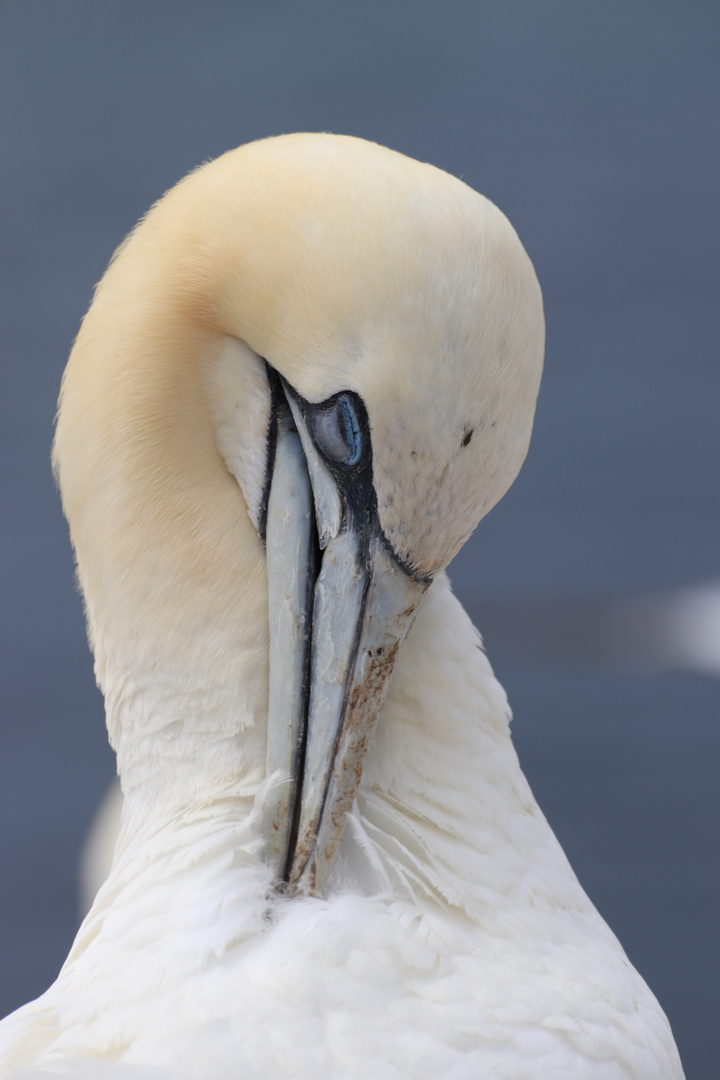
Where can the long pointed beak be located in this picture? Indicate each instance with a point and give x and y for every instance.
(337, 619)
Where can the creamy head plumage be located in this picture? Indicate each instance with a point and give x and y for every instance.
(304, 378)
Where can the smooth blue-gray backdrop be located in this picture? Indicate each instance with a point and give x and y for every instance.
(594, 126)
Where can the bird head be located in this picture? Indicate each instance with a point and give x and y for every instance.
(305, 378)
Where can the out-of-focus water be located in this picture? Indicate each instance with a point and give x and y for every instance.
(594, 126)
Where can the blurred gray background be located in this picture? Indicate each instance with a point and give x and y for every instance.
(594, 126)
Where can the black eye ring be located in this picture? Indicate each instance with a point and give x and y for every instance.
(337, 431)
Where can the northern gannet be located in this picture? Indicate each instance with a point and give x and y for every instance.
(303, 380)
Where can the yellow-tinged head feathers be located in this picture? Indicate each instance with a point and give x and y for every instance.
(347, 266)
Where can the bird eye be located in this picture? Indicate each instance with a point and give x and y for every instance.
(337, 431)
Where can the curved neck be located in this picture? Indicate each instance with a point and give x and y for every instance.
(171, 566)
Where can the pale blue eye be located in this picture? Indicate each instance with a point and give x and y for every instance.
(337, 431)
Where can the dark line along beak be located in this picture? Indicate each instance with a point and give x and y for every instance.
(340, 606)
